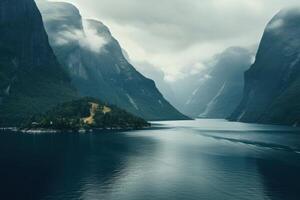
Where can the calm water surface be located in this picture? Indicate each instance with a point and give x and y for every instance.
(191, 160)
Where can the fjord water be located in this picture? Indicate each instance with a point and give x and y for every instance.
(191, 160)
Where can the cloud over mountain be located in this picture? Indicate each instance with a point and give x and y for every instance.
(177, 36)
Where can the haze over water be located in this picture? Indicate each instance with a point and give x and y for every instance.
(191, 160)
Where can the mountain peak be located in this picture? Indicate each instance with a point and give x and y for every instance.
(275, 71)
(287, 18)
(98, 68)
(99, 26)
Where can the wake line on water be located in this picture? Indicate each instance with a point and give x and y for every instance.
(253, 131)
(255, 143)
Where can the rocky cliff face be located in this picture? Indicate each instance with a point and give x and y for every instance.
(31, 80)
(97, 65)
(158, 76)
(272, 89)
(221, 89)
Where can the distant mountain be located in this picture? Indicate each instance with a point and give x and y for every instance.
(220, 90)
(272, 85)
(98, 68)
(184, 88)
(31, 79)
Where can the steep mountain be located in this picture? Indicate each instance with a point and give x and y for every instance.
(97, 66)
(220, 90)
(31, 79)
(150, 71)
(272, 89)
(185, 87)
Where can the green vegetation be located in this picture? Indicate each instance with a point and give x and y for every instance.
(31, 79)
(86, 113)
(31, 97)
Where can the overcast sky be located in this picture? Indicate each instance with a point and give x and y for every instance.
(178, 36)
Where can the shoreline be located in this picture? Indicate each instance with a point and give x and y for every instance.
(92, 130)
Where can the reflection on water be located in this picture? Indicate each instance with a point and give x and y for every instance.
(203, 159)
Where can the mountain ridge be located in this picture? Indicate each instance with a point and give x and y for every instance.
(220, 87)
(32, 80)
(98, 68)
(272, 82)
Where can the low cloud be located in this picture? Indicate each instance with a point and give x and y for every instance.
(275, 24)
(283, 18)
(92, 40)
(89, 38)
(178, 36)
(71, 30)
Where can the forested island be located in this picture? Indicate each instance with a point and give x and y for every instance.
(82, 115)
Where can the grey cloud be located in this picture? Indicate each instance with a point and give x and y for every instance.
(82, 33)
(176, 35)
(186, 21)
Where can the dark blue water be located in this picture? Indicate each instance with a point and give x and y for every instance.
(204, 159)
